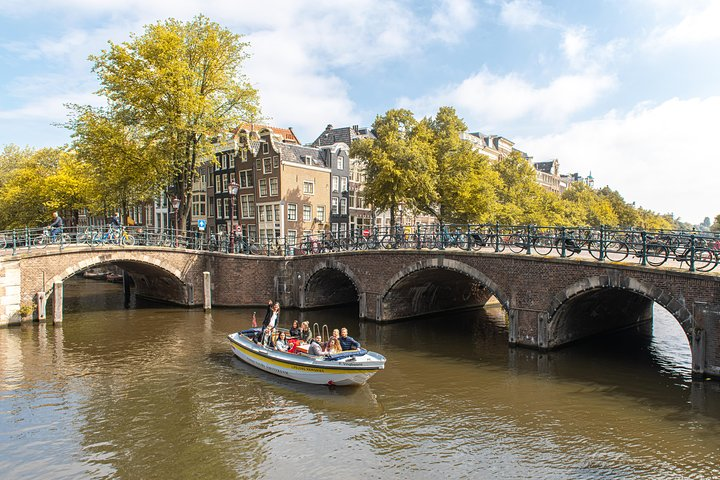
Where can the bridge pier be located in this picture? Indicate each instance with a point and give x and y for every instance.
(58, 302)
(705, 341)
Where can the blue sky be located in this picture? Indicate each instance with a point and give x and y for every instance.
(626, 89)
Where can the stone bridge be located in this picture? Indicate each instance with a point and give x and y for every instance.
(549, 302)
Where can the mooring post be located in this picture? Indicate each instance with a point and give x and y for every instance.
(41, 304)
(207, 292)
(58, 302)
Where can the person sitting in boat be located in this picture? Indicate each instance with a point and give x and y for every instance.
(333, 346)
(305, 333)
(348, 343)
(315, 347)
(295, 329)
(281, 344)
(267, 338)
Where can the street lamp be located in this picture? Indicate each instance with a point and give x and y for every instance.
(176, 207)
(232, 190)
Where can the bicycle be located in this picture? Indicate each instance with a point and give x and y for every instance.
(700, 258)
(46, 238)
(113, 236)
(542, 244)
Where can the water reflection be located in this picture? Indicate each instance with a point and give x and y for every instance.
(140, 392)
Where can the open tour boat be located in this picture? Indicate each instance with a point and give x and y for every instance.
(352, 367)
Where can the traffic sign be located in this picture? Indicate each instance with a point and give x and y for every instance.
(202, 224)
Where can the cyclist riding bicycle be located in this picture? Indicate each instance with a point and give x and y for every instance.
(56, 225)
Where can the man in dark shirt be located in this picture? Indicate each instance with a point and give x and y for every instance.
(347, 343)
(56, 225)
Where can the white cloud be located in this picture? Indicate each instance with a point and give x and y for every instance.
(497, 101)
(698, 24)
(655, 155)
(301, 49)
(452, 18)
(524, 14)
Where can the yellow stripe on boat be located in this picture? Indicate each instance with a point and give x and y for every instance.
(302, 368)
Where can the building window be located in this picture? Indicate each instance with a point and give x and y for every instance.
(231, 161)
(321, 213)
(261, 213)
(341, 162)
(263, 187)
(274, 186)
(276, 161)
(334, 206)
(226, 207)
(223, 163)
(309, 187)
(267, 165)
(269, 213)
(257, 164)
(335, 183)
(246, 179)
(307, 213)
(344, 184)
(218, 183)
(292, 237)
(243, 155)
(307, 159)
(266, 147)
(276, 208)
(247, 206)
(292, 211)
(218, 208)
(224, 182)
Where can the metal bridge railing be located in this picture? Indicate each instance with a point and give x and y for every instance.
(696, 251)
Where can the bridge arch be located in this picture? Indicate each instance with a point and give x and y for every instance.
(433, 285)
(616, 301)
(153, 277)
(330, 283)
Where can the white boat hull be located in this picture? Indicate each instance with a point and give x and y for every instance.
(316, 370)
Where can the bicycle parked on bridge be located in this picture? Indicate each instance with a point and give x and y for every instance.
(113, 236)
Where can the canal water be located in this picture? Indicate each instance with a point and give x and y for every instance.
(143, 391)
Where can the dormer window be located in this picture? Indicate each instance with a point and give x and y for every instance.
(307, 159)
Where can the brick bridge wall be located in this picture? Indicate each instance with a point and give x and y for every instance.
(541, 295)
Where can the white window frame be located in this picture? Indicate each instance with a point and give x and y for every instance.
(292, 212)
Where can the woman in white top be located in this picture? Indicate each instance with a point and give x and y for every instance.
(281, 342)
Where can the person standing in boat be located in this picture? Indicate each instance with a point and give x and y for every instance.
(271, 316)
(346, 342)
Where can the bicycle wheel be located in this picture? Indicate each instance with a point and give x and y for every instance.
(656, 254)
(516, 243)
(616, 251)
(705, 260)
(41, 241)
(543, 245)
(128, 240)
(388, 241)
(65, 238)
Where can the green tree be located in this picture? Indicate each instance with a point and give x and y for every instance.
(463, 181)
(37, 182)
(170, 91)
(520, 198)
(398, 162)
(123, 172)
(715, 227)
